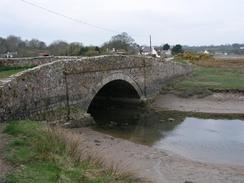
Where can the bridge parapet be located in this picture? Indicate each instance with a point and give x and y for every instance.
(32, 61)
(75, 82)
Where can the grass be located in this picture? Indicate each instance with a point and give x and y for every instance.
(215, 78)
(8, 71)
(43, 154)
(207, 77)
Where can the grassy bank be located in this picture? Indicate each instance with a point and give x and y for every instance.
(8, 71)
(209, 76)
(43, 154)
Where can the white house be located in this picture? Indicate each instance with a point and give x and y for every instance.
(9, 54)
(206, 52)
(166, 53)
(146, 50)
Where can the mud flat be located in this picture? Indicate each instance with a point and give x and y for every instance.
(224, 103)
(155, 165)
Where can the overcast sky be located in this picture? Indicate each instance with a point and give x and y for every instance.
(188, 22)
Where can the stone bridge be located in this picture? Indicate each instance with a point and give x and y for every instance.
(66, 82)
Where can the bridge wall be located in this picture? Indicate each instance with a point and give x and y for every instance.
(159, 73)
(87, 77)
(74, 82)
(31, 61)
(33, 91)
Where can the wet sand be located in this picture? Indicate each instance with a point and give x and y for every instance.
(166, 167)
(155, 165)
(224, 103)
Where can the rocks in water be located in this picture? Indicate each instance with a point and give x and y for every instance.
(75, 117)
(112, 124)
(171, 119)
(67, 125)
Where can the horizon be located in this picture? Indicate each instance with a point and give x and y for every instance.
(48, 44)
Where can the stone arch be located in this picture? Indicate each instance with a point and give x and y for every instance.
(119, 76)
(111, 78)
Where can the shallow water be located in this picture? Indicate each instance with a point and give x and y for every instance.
(219, 141)
(207, 140)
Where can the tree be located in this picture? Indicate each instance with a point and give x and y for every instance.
(90, 51)
(3, 45)
(122, 42)
(59, 48)
(36, 44)
(75, 49)
(166, 46)
(177, 49)
(13, 42)
(97, 49)
(83, 50)
(35, 47)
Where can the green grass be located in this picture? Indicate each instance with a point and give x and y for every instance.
(207, 79)
(8, 71)
(42, 155)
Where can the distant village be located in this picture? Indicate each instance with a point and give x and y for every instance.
(157, 51)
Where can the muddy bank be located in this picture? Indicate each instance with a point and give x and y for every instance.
(155, 165)
(224, 103)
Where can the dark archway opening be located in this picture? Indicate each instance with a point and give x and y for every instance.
(118, 111)
(114, 102)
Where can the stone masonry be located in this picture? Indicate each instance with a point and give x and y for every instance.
(75, 81)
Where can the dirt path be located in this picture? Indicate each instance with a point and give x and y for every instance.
(216, 103)
(4, 167)
(158, 166)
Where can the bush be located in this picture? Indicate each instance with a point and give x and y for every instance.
(194, 56)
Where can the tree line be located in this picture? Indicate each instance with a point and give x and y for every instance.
(122, 43)
(35, 47)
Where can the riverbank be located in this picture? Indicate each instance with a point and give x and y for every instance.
(158, 166)
(150, 164)
(208, 78)
(39, 153)
(222, 103)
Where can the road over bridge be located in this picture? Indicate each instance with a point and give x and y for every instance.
(67, 82)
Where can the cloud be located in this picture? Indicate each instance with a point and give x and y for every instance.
(175, 21)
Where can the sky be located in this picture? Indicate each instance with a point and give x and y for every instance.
(187, 22)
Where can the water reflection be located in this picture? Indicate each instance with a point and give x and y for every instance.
(137, 124)
(206, 140)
